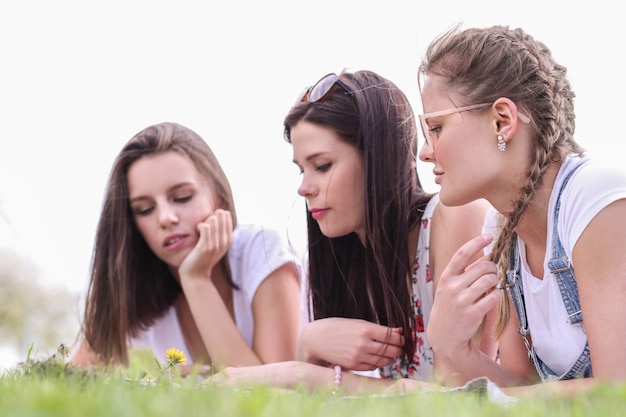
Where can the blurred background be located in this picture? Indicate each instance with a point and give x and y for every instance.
(79, 78)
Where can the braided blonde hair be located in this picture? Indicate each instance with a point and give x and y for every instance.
(484, 64)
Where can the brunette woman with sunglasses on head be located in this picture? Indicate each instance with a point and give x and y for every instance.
(377, 242)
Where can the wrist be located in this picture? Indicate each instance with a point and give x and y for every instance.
(195, 284)
(453, 351)
(454, 357)
(305, 354)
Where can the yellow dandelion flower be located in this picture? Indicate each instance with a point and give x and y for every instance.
(175, 356)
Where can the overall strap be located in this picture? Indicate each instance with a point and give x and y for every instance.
(561, 266)
(516, 290)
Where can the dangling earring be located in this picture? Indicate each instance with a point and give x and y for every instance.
(501, 143)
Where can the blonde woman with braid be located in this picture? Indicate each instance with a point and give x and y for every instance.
(499, 125)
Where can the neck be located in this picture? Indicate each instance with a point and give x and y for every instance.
(532, 227)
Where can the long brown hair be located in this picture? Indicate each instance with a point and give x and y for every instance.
(130, 287)
(369, 281)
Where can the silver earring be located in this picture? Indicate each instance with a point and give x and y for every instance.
(501, 143)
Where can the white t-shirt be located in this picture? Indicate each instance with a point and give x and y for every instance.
(254, 254)
(591, 188)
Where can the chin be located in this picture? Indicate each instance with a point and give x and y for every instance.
(331, 234)
(452, 200)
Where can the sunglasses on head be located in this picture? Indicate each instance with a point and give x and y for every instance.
(321, 89)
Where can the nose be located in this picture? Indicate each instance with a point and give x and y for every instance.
(307, 188)
(426, 154)
(167, 216)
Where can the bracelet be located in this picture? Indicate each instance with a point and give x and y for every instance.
(338, 376)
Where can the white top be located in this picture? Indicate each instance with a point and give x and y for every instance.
(255, 253)
(591, 188)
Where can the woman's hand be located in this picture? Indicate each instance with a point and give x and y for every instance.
(187, 370)
(277, 374)
(351, 343)
(216, 236)
(463, 298)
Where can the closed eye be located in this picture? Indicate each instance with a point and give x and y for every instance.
(183, 199)
(324, 167)
(143, 211)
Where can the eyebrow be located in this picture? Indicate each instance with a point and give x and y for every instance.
(312, 156)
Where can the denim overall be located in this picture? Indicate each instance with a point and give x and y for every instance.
(562, 269)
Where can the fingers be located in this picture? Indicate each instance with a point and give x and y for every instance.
(387, 346)
(385, 354)
(358, 344)
(484, 258)
(186, 370)
(463, 272)
(488, 300)
(217, 229)
(463, 257)
(393, 336)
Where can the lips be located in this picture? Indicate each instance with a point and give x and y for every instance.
(174, 241)
(318, 213)
(437, 175)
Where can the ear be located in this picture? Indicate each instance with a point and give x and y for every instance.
(506, 117)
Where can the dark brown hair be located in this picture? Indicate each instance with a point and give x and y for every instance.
(370, 281)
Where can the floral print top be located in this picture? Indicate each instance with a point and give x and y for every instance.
(421, 367)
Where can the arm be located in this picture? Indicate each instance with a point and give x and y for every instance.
(276, 312)
(275, 304)
(600, 266)
(220, 336)
(222, 340)
(309, 376)
(351, 343)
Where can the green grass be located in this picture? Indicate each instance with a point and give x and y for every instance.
(52, 388)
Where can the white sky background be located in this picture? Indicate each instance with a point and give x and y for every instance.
(79, 78)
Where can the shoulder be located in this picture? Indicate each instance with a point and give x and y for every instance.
(252, 235)
(260, 248)
(591, 187)
(591, 175)
(246, 230)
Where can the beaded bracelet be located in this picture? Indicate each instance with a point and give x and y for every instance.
(337, 380)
